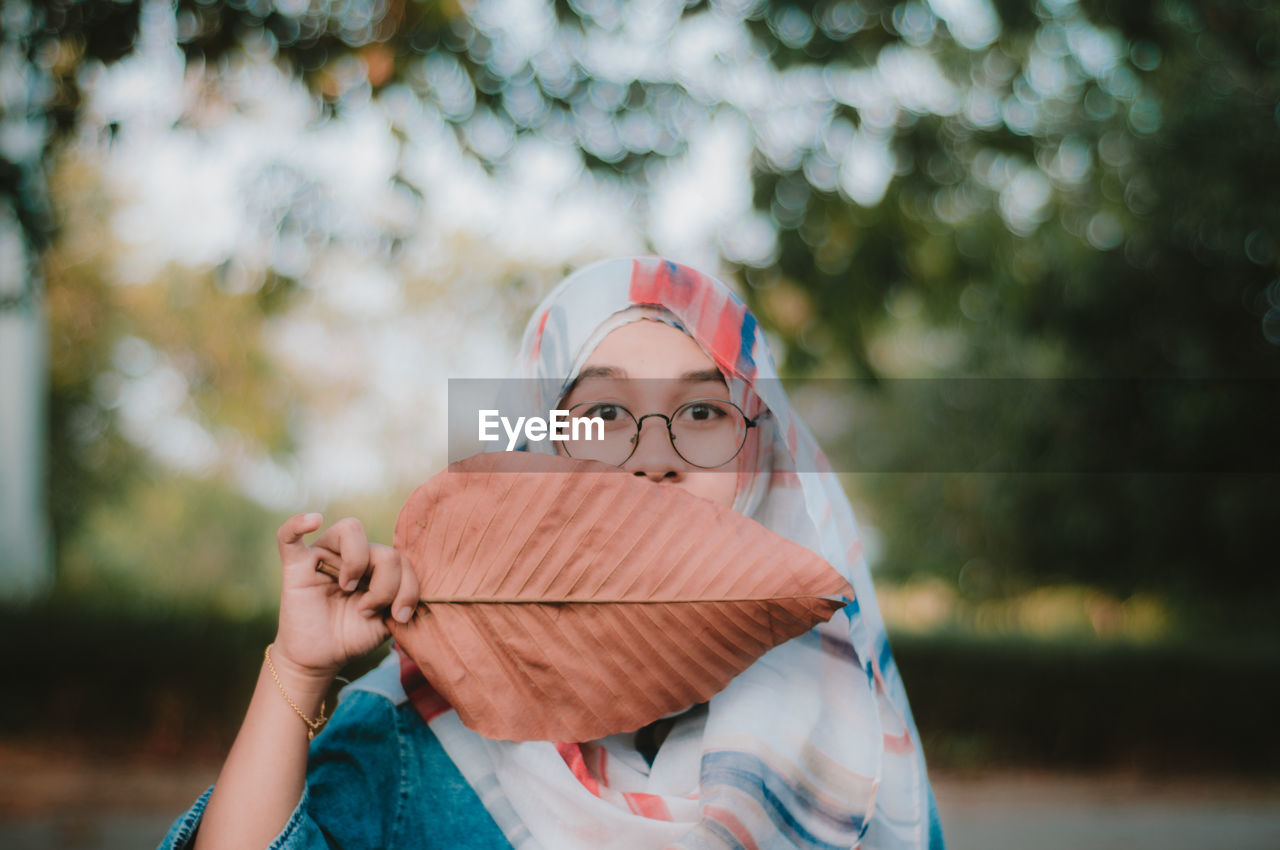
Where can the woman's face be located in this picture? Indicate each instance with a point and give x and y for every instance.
(647, 367)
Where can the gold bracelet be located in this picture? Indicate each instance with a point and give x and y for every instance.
(313, 726)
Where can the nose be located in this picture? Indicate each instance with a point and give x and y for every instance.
(654, 457)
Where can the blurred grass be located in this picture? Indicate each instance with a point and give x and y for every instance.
(163, 682)
(170, 683)
(1183, 706)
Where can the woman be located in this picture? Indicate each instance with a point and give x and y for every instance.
(812, 746)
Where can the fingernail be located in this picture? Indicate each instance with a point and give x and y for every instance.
(350, 585)
(404, 614)
(310, 518)
(368, 613)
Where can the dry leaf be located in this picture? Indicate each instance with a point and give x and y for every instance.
(573, 601)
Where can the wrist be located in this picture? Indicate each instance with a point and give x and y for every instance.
(305, 685)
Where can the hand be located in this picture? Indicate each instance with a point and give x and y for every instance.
(323, 623)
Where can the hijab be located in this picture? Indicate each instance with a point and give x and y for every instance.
(813, 745)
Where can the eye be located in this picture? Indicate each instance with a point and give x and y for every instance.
(607, 412)
(703, 412)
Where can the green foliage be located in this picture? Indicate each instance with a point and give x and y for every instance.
(178, 682)
(982, 704)
(164, 682)
(1063, 216)
(89, 459)
(167, 542)
(210, 338)
(1151, 258)
(1093, 199)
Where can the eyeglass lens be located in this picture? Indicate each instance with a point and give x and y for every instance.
(706, 433)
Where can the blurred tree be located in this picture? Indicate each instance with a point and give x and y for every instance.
(193, 355)
(1056, 187)
(40, 51)
(1100, 207)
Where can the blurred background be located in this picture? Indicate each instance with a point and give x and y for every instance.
(245, 243)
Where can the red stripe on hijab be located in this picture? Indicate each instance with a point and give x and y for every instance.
(572, 755)
(647, 805)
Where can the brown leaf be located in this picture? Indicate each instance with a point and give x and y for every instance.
(571, 600)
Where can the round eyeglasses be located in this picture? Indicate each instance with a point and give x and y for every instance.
(706, 432)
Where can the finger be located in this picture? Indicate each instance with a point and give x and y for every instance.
(347, 539)
(406, 601)
(384, 582)
(289, 535)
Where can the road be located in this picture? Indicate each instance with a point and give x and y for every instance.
(1053, 812)
(77, 803)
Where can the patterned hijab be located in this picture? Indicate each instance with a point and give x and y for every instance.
(813, 746)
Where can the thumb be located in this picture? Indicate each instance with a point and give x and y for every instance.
(289, 536)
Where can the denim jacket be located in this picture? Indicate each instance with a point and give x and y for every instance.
(377, 777)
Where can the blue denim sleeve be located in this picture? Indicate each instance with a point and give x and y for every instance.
(353, 793)
(355, 775)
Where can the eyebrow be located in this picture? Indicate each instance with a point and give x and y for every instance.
(600, 372)
(694, 376)
(700, 376)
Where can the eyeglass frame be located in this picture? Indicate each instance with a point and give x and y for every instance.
(671, 437)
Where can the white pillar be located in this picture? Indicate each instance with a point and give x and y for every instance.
(26, 568)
